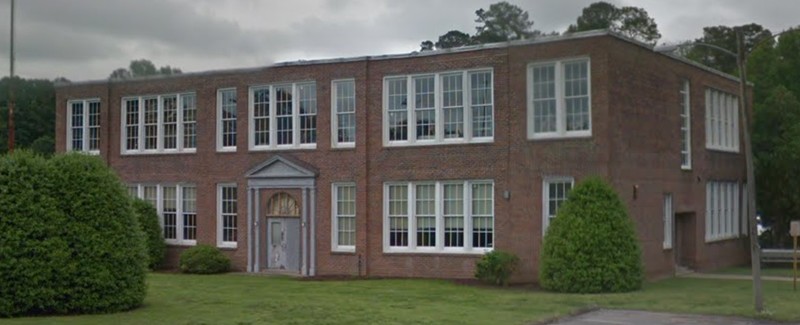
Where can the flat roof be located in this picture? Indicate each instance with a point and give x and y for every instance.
(415, 54)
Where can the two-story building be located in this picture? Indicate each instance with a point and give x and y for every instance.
(415, 165)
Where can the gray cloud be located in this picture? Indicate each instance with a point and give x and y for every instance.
(87, 39)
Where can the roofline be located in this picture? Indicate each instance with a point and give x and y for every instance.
(415, 54)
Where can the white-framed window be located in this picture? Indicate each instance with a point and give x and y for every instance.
(439, 217)
(559, 99)
(227, 215)
(177, 209)
(686, 126)
(722, 121)
(554, 193)
(159, 124)
(283, 116)
(343, 114)
(722, 210)
(669, 221)
(83, 128)
(439, 108)
(226, 119)
(343, 219)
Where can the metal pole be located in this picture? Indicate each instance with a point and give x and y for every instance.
(755, 250)
(11, 88)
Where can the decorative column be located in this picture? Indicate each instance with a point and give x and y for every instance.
(304, 234)
(249, 229)
(313, 214)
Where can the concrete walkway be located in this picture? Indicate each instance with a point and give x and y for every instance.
(635, 317)
(733, 277)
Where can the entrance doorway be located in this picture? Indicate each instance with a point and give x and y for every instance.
(685, 225)
(283, 233)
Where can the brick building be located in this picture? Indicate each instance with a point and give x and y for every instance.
(415, 165)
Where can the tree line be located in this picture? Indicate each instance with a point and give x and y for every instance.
(773, 67)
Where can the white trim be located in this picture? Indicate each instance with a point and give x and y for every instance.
(546, 181)
(85, 147)
(335, 114)
(179, 132)
(273, 118)
(411, 247)
(219, 135)
(558, 80)
(335, 247)
(669, 221)
(686, 114)
(410, 109)
(220, 217)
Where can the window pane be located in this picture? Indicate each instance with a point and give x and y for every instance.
(189, 213)
(345, 106)
(261, 116)
(169, 207)
(346, 215)
(170, 121)
(426, 215)
(94, 125)
(425, 107)
(453, 105)
(453, 198)
(544, 98)
(151, 123)
(229, 214)
(482, 215)
(481, 104)
(576, 95)
(189, 106)
(397, 109)
(228, 117)
(283, 112)
(398, 215)
(308, 113)
(77, 126)
(132, 124)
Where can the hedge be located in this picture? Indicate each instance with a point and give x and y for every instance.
(204, 259)
(148, 221)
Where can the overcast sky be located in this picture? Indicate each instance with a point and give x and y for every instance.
(87, 39)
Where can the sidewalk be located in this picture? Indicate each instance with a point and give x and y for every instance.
(733, 277)
(635, 317)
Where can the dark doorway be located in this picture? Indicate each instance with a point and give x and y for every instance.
(685, 240)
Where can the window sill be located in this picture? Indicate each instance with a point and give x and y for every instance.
(344, 251)
(185, 243)
(343, 146)
(566, 136)
(226, 150)
(721, 239)
(398, 144)
(686, 168)
(158, 153)
(723, 150)
(434, 251)
(229, 246)
(284, 148)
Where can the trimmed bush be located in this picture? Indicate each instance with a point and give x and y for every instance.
(204, 259)
(591, 246)
(496, 267)
(148, 221)
(69, 239)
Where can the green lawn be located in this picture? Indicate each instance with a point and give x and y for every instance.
(780, 270)
(243, 299)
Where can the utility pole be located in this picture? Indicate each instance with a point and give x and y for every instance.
(11, 88)
(755, 249)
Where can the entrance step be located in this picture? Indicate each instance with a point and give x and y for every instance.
(682, 270)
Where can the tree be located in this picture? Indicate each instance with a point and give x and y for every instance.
(633, 22)
(502, 22)
(142, 68)
(34, 115)
(725, 37)
(426, 46)
(453, 38)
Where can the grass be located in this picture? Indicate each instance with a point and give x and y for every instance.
(771, 270)
(244, 299)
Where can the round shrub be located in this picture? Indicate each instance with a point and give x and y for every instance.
(69, 239)
(496, 267)
(148, 221)
(204, 259)
(591, 246)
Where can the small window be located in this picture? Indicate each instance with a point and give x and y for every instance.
(344, 217)
(227, 229)
(722, 121)
(554, 194)
(226, 120)
(686, 127)
(669, 221)
(83, 131)
(559, 99)
(344, 113)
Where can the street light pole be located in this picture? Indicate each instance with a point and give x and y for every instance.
(755, 249)
(11, 88)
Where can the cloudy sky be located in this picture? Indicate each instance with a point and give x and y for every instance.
(87, 39)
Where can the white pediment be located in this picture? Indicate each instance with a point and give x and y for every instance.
(280, 167)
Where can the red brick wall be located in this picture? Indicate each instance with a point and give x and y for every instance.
(635, 141)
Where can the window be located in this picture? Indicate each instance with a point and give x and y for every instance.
(559, 100)
(176, 206)
(226, 119)
(686, 127)
(669, 221)
(227, 215)
(159, 124)
(344, 218)
(283, 116)
(344, 113)
(83, 131)
(722, 121)
(555, 191)
(452, 107)
(722, 210)
(450, 216)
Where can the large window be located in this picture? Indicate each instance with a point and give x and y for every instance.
(669, 221)
(554, 193)
(227, 229)
(722, 210)
(439, 108)
(686, 126)
(177, 209)
(343, 116)
(226, 119)
(344, 217)
(283, 116)
(722, 121)
(159, 124)
(83, 131)
(559, 100)
(448, 216)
